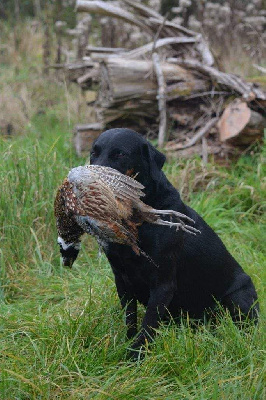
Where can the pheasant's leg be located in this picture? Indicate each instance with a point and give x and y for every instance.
(177, 225)
(173, 214)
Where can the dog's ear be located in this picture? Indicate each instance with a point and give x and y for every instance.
(155, 160)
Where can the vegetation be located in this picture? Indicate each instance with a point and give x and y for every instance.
(62, 334)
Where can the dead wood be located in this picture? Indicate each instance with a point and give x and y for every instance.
(108, 9)
(249, 91)
(143, 50)
(240, 124)
(106, 50)
(122, 79)
(161, 99)
(199, 135)
(173, 73)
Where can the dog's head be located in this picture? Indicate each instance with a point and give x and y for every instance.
(128, 152)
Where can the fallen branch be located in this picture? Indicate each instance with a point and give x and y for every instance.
(92, 74)
(248, 90)
(141, 51)
(161, 99)
(108, 9)
(260, 68)
(200, 134)
(154, 16)
(94, 49)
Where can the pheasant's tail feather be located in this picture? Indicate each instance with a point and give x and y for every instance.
(148, 257)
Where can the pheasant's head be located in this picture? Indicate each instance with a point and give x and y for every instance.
(69, 251)
(69, 232)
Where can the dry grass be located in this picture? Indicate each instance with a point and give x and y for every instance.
(234, 56)
(25, 92)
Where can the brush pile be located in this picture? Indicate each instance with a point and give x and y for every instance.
(171, 80)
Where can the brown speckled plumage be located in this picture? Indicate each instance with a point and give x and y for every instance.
(105, 203)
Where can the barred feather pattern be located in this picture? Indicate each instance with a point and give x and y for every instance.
(105, 203)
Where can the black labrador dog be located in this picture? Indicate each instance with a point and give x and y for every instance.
(192, 273)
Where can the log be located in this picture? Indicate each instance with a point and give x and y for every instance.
(121, 79)
(84, 136)
(253, 131)
(241, 125)
(128, 110)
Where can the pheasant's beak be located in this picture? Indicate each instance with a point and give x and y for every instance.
(69, 252)
(69, 256)
(68, 262)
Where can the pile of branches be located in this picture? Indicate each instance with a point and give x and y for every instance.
(171, 81)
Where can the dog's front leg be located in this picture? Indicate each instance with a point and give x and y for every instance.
(160, 298)
(129, 304)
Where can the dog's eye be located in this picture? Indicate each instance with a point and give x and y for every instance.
(95, 152)
(119, 154)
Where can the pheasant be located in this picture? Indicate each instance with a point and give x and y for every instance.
(105, 203)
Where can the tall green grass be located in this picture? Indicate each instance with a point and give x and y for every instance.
(62, 331)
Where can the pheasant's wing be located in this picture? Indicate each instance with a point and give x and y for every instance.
(97, 210)
(124, 187)
(91, 195)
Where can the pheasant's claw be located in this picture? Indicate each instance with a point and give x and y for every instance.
(173, 213)
(190, 229)
(179, 225)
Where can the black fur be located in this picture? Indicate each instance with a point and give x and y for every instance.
(194, 272)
